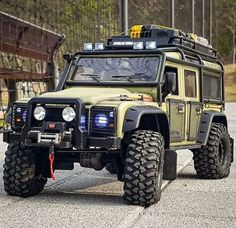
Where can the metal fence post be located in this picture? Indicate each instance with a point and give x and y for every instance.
(172, 13)
(203, 18)
(193, 15)
(124, 15)
(210, 21)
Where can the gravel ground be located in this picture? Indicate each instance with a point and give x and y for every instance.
(86, 198)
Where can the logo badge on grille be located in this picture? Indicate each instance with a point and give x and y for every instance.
(51, 125)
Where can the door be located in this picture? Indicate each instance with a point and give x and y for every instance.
(192, 101)
(176, 107)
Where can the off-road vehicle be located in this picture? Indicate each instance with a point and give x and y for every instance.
(127, 105)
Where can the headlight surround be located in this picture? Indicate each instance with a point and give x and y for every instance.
(39, 113)
(102, 121)
(68, 114)
(17, 116)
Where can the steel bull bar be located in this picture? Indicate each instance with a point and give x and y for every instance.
(80, 135)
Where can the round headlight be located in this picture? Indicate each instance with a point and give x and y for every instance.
(39, 113)
(68, 114)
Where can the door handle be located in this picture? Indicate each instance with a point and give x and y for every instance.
(180, 108)
(198, 110)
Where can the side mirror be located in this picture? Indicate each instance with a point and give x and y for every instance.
(170, 82)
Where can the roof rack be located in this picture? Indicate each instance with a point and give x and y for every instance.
(164, 37)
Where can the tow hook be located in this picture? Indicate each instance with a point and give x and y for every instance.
(51, 160)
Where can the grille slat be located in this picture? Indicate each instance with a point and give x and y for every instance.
(54, 114)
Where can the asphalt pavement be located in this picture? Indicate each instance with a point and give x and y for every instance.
(87, 198)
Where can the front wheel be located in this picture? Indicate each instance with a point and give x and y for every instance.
(20, 172)
(144, 168)
(213, 161)
(110, 168)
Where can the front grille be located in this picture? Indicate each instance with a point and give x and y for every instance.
(54, 114)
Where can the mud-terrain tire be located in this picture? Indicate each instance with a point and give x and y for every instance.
(144, 168)
(110, 168)
(213, 161)
(20, 173)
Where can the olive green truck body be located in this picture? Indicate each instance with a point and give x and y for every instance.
(127, 107)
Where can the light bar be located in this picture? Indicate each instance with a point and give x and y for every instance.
(138, 45)
(88, 46)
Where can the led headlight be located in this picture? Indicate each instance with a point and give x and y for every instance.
(68, 114)
(101, 120)
(39, 113)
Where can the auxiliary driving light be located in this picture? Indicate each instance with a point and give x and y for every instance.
(68, 114)
(39, 113)
(137, 45)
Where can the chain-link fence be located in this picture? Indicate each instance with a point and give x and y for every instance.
(81, 21)
(95, 20)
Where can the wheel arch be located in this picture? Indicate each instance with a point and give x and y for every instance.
(142, 117)
(207, 118)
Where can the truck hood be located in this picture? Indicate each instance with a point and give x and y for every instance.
(95, 95)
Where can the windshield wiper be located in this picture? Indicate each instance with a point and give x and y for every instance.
(127, 77)
(93, 76)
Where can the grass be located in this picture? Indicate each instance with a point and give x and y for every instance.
(230, 93)
(230, 68)
(230, 82)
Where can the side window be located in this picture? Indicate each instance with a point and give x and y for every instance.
(173, 70)
(190, 83)
(212, 86)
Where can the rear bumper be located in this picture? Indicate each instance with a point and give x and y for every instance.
(32, 141)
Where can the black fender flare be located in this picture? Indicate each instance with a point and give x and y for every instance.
(134, 116)
(206, 120)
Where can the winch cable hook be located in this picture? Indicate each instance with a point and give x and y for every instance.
(51, 160)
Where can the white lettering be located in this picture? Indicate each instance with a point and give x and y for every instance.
(124, 43)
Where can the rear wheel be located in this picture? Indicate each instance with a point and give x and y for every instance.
(20, 172)
(213, 161)
(144, 168)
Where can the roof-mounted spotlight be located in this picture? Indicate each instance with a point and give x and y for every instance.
(151, 45)
(99, 46)
(88, 46)
(138, 45)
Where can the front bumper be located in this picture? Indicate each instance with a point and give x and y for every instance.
(47, 140)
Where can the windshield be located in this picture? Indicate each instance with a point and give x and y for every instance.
(132, 69)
